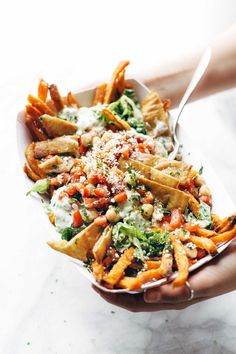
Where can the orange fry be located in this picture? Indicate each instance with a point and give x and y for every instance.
(40, 105)
(56, 97)
(118, 269)
(71, 100)
(152, 264)
(216, 220)
(33, 176)
(224, 237)
(166, 105)
(32, 111)
(204, 243)
(149, 275)
(99, 94)
(42, 90)
(205, 233)
(166, 264)
(34, 126)
(112, 84)
(120, 83)
(130, 283)
(181, 261)
(33, 163)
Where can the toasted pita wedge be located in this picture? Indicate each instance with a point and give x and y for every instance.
(149, 172)
(79, 246)
(193, 204)
(56, 165)
(173, 198)
(177, 169)
(111, 86)
(102, 244)
(119, 123)
(55, 127)
(98, 271)
(146, 159)
(56, 146)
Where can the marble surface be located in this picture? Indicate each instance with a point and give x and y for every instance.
(46, 305)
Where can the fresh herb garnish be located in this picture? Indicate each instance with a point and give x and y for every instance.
(69, 232)
(200, 171)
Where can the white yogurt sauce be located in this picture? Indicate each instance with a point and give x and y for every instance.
(62, 209)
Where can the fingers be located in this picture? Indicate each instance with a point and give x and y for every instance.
(167, 294)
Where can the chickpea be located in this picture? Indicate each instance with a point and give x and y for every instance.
(204, 190)
(86, 139)
(147, 210)
(191, 250)
(112, 215)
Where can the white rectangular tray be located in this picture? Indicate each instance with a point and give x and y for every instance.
(222, 203)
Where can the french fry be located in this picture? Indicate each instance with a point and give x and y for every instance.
(99, 94)
(205, 233)
(71, 100)
(226, 226)
(56, 97)
(119, 123)
(118, 269)
(33, 176)
(149, 275)
(152, 265)
(98, 270)
(32, 111)
(181, 261)
(216, 220)
(42, 90)
(224, 237)
(166, 105)
(166, 264)
(204, 243)
(120, 82)
(130, 283)
(33, 163)
(40, 105)
(110, 89)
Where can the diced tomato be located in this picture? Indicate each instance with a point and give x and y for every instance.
(206, 199)
(121, 197)
(141, 147)
(109, 258)
(54, 182)
(149, 147)
(176, 219)
(139, 140)
(125, 152)
(189, 186)
(71, 190)
(101, 192)
(148, 198)
(96, 202)
(92, 178)
(141, 192)
(101, 178)
(82, 149)
(191, 227)
(101, 221)
(166, 222)
(76, 176)
(85, 192)
(77, 219)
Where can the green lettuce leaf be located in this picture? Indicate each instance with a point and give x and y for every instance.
(41, 186)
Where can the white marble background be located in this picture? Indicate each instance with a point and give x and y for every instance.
(45, 305)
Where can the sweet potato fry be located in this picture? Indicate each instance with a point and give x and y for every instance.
(42, 90)
(32, 111)
(112, 84)
(204, 243)
(120, 82)
(33, 163)
(152, 265)
(166, 264)
(71, 100)
(36, 132)
(227, 224)
(130, 283)
(98, 270)
(56, 97)
(216, 220)
(224, 237)
(118, 269)
(181, 261)
(149, 275)
(99, 94)
(33, 176)
(40, 105)
(120, 123)
(205, 233)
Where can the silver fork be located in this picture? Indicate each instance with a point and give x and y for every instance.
(198, 73)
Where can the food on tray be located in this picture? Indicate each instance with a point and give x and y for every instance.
(119, 205)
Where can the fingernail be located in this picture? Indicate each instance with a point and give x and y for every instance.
(152, 296)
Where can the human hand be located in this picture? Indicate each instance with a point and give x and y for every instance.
(216, 278)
